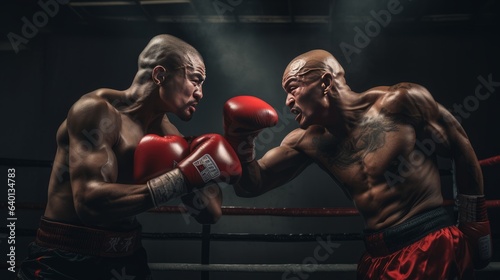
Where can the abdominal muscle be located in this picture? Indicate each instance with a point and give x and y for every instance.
(383, 205)
(379, 169)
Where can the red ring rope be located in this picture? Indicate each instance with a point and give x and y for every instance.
(490, 161)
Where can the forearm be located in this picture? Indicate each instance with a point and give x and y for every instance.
(104, 202)
(276, 168)
(250, 184)
(97, 201)
(473, 217)
(468, 173)
(204, 204)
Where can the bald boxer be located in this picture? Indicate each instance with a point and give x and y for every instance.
(380, 147)
(117, 156)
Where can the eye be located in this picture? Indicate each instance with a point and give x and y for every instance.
(197, 81)
(291, 86)
(291, 89)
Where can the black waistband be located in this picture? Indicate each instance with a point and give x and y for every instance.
(87, 241)
(387, 241)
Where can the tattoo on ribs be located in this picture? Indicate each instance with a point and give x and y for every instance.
(369, 136)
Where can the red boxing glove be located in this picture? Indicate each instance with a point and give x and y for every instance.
(156, 155)
(211, 159)
(155, 159)
(244, 118)
(474, 224)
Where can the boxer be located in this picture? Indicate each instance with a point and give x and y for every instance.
(380, 147)
(115, 159)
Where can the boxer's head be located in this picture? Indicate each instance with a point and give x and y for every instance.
(177, 70)
(311, 66)
(310, 81)
(172, 53)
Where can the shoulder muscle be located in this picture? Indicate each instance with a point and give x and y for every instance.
(93, 117)
(410, 100)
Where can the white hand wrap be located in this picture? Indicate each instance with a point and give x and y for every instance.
(167, 186)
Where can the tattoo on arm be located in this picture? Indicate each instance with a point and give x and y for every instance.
(400, 85)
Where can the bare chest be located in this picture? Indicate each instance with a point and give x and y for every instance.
(131, 134)
(362, 157)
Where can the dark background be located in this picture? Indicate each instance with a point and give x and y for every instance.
(447, 46)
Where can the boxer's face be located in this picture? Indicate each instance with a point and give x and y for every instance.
(184, 90)
(305, 99)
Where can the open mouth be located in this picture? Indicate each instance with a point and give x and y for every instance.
(297, 113)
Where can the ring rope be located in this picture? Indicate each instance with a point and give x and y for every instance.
(308, 268)
(232, 210)
(490, 161)
(254, 211)
(256, 237)
(254, 267)
(292, 268)
(259, 237)
(48, 163)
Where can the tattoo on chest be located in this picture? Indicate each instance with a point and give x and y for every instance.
(369, 136)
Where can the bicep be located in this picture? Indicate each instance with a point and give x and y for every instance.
(454, 138)
(91, 157)
(450, 134)
(91, 164)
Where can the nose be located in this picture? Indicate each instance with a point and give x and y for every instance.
(198, 94)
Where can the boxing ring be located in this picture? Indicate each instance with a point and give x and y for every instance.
(207, 237)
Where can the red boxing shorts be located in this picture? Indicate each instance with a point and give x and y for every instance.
(426, 246)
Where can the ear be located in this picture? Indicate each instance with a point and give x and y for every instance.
(327, 81)
(159, 74)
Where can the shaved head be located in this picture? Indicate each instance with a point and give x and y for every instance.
(312, 65)
(169, 52)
